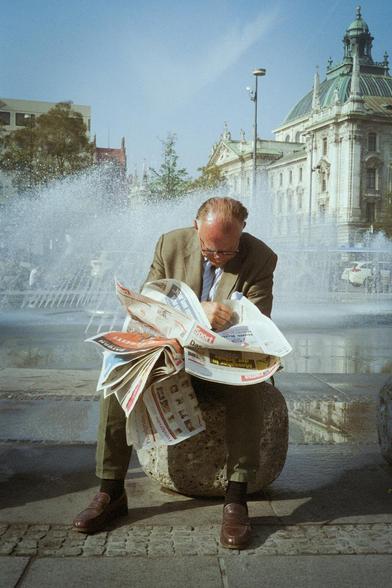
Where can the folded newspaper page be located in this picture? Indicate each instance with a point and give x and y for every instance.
(168, 414)
(168, 332)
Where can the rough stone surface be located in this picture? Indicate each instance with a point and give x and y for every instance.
(196, 467)
(384, 420)
(161, 541)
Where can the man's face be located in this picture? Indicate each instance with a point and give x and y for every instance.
(219, 242)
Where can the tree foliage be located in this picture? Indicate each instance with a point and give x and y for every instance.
(210, 178)
(49, 147)
(170, 180)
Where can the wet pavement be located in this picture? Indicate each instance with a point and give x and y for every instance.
(327, 519)
(347, 338)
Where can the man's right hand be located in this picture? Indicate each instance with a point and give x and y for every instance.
(218, 314)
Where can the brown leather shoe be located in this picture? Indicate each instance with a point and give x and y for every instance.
(99, 512)
(236, 529)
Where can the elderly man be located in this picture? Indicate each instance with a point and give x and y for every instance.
(215, 258)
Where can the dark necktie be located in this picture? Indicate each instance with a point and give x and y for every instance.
(208, 280)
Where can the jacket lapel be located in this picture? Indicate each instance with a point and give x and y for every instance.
(193, 265)
(228, 280)
(230, 275)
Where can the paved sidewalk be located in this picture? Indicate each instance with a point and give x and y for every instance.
(327, 520)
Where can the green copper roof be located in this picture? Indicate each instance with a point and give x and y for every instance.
(358, 25)
(370, 85)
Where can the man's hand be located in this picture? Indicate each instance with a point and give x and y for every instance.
(218, 314)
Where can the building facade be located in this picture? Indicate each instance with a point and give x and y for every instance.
(334, 173)
(15, 114)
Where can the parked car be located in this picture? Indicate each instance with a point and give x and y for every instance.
(376, 276)
(347, 270)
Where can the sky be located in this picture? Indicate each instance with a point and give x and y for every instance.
(148, 67)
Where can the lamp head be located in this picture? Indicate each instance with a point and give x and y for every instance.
(259, 71)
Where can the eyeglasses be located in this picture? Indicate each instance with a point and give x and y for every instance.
(217, 251)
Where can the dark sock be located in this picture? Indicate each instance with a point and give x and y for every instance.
(115, 488)
(236, 492)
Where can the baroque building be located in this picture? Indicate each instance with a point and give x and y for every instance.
(333, 170)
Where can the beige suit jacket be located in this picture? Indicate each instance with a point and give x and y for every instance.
(178, 256)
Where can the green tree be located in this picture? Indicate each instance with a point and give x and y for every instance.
(170, 181)
(209, 179)
(49, 147)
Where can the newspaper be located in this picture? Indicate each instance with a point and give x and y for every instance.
(168, 338)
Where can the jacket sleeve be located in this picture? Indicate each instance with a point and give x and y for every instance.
(260, 287)
(157, 268)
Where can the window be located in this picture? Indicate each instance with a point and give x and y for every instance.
(280, 179)
(299, 201)
(323, 182)
(298, 137)
(370, 212)
(325, 146)
(371, 177)
(291, 177)
(300, 174)
(287, 138)
(5, 117)
(23, 120)
(372, 142)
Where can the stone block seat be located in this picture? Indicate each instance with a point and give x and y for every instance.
(196, 467)
(384, 420)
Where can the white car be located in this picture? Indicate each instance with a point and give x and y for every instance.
(346, 270)
(375, 276)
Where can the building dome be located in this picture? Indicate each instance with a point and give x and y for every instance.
(358, 25)
(339, 87)
(375, 83)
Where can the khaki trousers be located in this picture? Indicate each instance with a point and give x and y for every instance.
(243, 427)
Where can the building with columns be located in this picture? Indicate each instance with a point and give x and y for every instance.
(329, 169)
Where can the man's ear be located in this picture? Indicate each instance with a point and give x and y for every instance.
(195, 224)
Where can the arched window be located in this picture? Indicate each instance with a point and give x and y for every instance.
(300, 174)
(372, 142)
(280, 179)
(290, 177)
(287, 138)
(298, 137)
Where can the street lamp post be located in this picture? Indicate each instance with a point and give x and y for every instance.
(30, 118)
(310, 189)
(259, 72)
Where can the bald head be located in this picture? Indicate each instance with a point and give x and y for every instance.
(219, 230)
(227, 209)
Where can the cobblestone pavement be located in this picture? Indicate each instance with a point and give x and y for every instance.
(160, 541)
